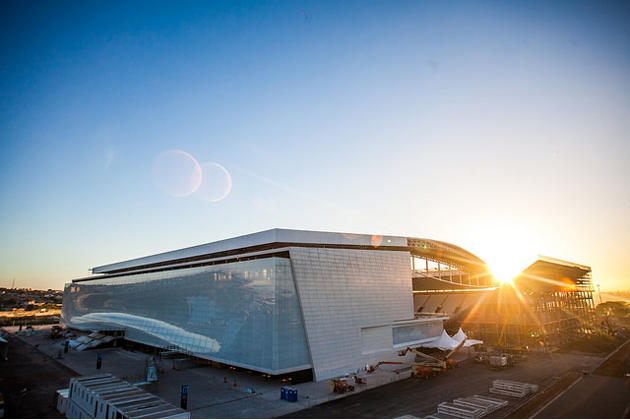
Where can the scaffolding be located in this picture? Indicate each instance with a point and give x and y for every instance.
(550, 304)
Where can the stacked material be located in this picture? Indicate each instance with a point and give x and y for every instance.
(461, 411)
(473, 407)
(497, 402)
(511, 388)
(487, 405)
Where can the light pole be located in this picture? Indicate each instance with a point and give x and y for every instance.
(600, 294)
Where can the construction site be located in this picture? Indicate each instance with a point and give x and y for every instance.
(548, 305)
(536, 385)
(290, 323)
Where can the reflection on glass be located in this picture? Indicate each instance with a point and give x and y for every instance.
(178, 337)
(243, 313)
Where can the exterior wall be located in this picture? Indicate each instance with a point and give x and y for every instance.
(243, 313)
(350, 300)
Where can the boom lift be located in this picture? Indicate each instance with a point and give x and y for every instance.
(447, 363)
(429, 367)
(418, 370)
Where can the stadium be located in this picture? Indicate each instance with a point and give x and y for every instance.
(314, 305)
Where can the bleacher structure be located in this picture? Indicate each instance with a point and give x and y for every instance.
(549, 304)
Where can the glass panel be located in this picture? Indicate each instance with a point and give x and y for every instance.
(246, 313)
(410, 333)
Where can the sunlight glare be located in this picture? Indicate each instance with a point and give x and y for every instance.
(506, 247)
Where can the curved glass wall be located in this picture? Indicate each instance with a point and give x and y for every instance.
(243, 313)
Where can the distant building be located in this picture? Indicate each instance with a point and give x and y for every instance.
(313, 304)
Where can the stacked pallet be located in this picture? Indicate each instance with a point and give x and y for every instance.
(512, 388)
(461, 411)
(483, 403)
(497, 402)
(473, 407)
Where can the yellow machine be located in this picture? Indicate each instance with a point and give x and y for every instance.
(503, 344)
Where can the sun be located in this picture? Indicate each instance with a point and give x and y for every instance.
(506, 246)
(508, 258)
(505, 271)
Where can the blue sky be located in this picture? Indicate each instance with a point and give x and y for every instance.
(501, 127)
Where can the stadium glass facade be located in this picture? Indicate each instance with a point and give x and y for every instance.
(246, 313)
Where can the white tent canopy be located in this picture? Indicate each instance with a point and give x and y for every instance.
(444, 342)
(459, 336)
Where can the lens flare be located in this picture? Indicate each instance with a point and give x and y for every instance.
(377, 240)
(177, 173)
(216, 183)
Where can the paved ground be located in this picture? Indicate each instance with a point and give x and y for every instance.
(420, 398)
(603, 394)
(213, 393)
(28, 368)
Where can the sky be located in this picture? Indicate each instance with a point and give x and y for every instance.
(134, 128)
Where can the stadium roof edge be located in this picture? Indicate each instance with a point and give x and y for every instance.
(433, 249)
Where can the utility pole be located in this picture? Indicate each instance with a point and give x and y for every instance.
(13, 285)
(600, 294)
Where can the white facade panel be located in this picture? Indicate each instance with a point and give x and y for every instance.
(343, 291)
(376, 339)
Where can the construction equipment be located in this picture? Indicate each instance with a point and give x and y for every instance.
(482, 358)
(340, 386)
(434, 362)
(360, 381)
(55, 331)
(426, 368)
(418, 370)
(423, 372)
(498, 362)
(371, 369)
(502, 343)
